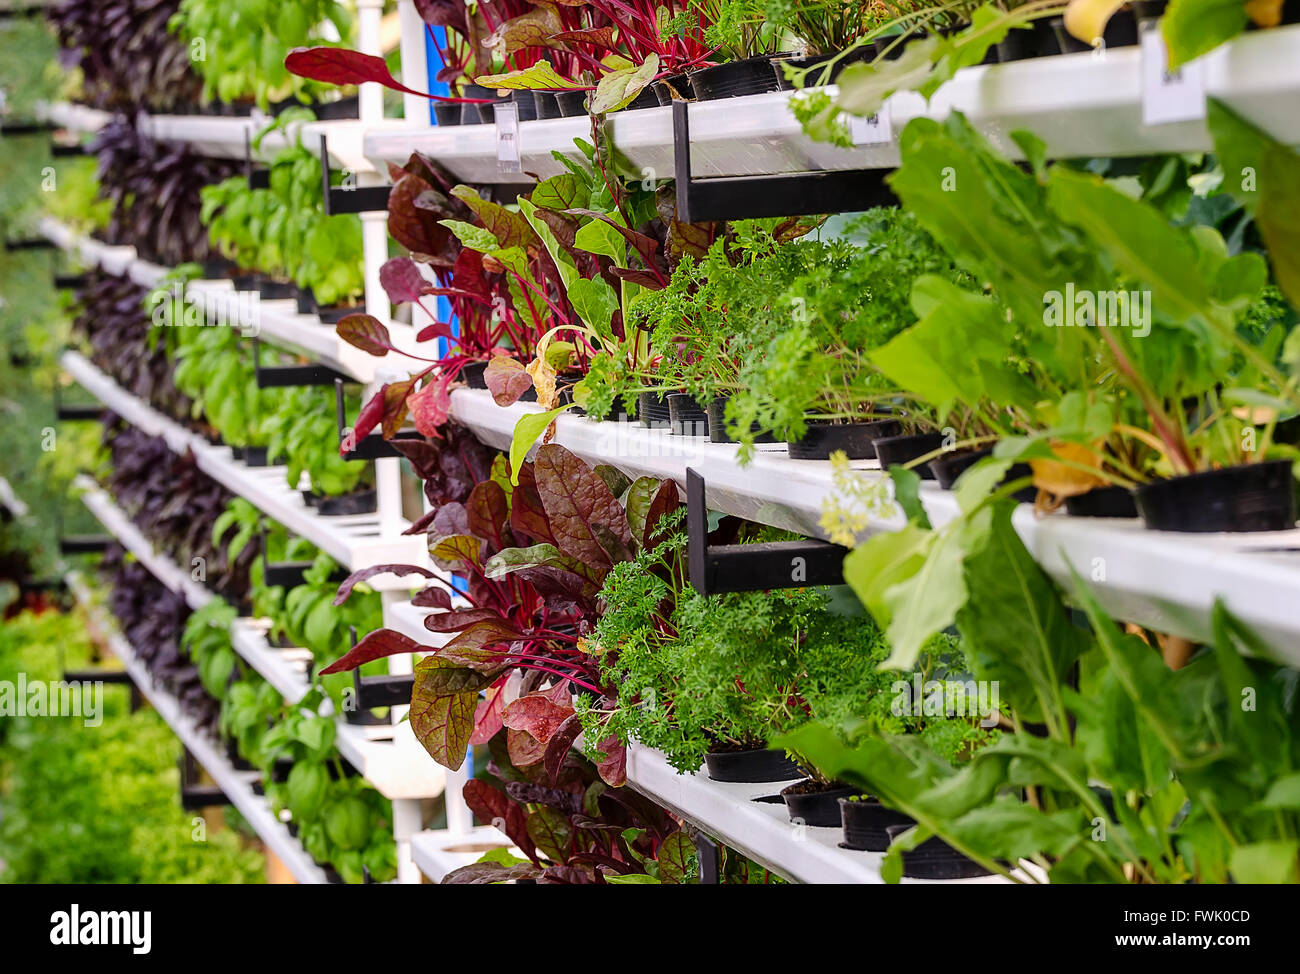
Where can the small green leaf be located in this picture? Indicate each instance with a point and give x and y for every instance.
(527, 430)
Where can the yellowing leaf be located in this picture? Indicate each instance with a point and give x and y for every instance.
(1061, 479)
(1086, 19)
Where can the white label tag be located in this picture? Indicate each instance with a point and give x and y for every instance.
(873, 130)
(1168, 96)
(506, 115)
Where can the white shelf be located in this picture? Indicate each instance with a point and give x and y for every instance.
(1081, 105)
(761, 830)
(1163, 580)
(354, 540)
(74, 118)
(160, 566)
(284, 669)
(275, 321)
(391, 759)
(237, 785)
(438, 851)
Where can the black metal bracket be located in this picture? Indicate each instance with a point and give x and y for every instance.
(26, 127)
(259, 177)
(34, 243)
(289, 574)
(348, 198)
(69, 282)
(380, 691)
(62, 412)
(194, 795)
(753, 567)
(782, 194)
(709, 854)
(372, 446)
(83, 544)
(275, 376)
(63, 149)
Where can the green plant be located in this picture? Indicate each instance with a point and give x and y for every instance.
(304, 433)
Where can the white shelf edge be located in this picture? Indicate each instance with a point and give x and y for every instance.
(236, 785)
(160, 566)
(439, 851)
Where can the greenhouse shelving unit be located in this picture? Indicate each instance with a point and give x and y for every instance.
(236, 785)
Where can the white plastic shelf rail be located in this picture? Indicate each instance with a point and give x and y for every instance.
(354, 540)
(1163, 580)
(278, 322)
(160, 566)
(438, 851)
(237, 785)
(1081, 105)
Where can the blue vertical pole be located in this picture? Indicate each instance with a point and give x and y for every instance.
(435, 39)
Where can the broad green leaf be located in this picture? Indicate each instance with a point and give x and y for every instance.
(475, 238)
(1274, 862)
(864, 87)
(883, 560)
(563, 262)
(595, 302)
(1193, 27)
(527, 430)
(541, 76)
(617, 89)
(598, 237)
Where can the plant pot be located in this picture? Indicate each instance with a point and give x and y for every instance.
(685, 417)
(572, 103)
(680, 83)
(935, 859)
(855, 439)
(469, 113)
(332, 314)
(1121, 31)
(882, 45)
(473, 375)
(990, 56)
(646, 98)
(306, 301)
(255, 456)
(1037, 41)
(751, 76)
(758, 765)
(813, 803)
(545, 105)
(1103, 502)
(1253, 497)
(524, 104)
(864, 52)
(866, 823)
(1148, 9)
(950, 466)
(215, 268)
(340, 108)
(310, 497)
(358, 502)
(652, 410)
(717, 411)
(901, 450)
(237, 453)
(272, 290)
(447, 112)
(245, 282)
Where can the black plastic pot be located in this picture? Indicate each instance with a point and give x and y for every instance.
(935, 859)
(680, 83)
(1148, 9)
(820, 808)
(525, 105)
(473, 375)
(544, 104)
(882, 45)
(310, 498)
(469, 113)
(349, 107)
(332, 314)
(950, 466)
(864, 52)
(990, 56)
(751, 76)
(857, 440)
(1121, 31)
(1254, 497)
(717, 411)
(245, 282)
(572, 103)
(255, 456)
(646, 98)
(272, 290)
(1036, 41)
(763, 764)
(216, 268)
(306, 301)
(866, 823)
(237, 453)
(1103, 502)
(652, 410)
(685, 416)
(901, 450)
(447, 112)
(360, 502)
